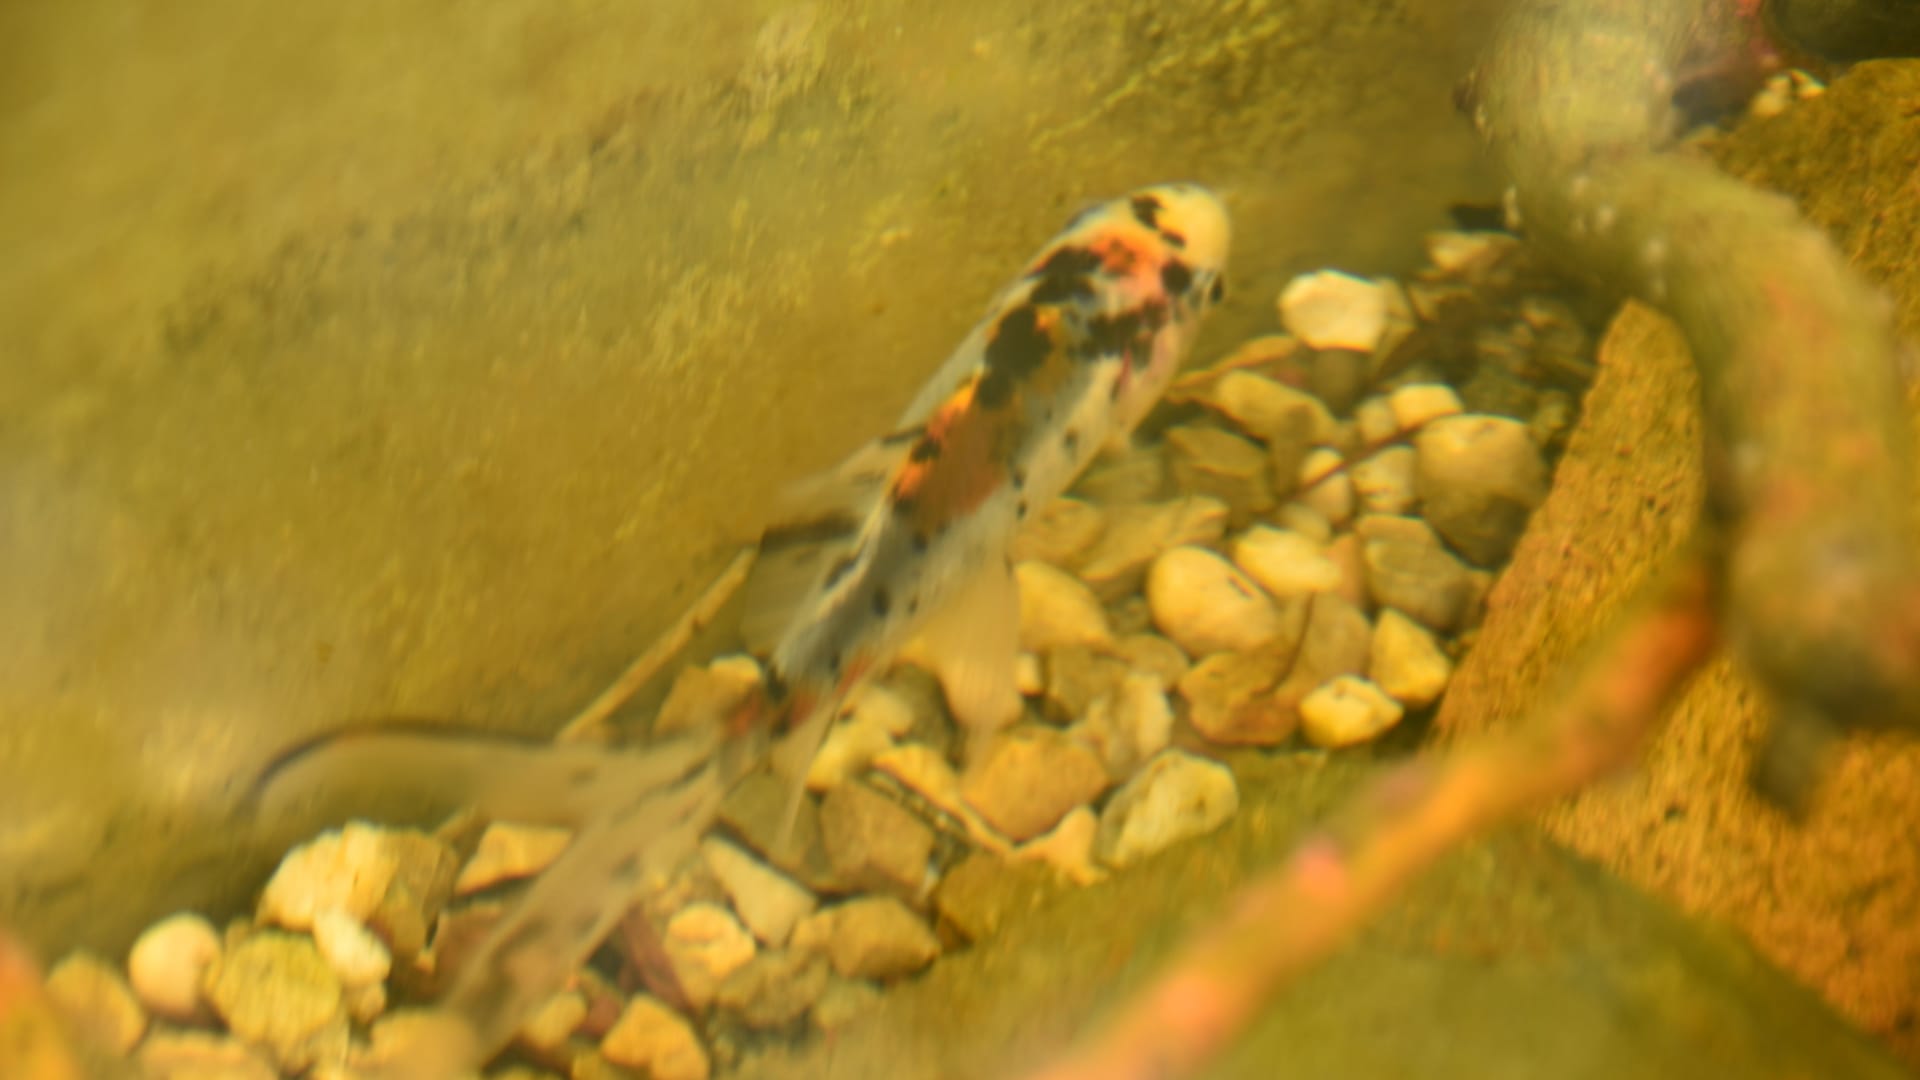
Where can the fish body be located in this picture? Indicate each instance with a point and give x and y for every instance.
(909, 537)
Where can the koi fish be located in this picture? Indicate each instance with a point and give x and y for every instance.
(908, 538)
(905, 542)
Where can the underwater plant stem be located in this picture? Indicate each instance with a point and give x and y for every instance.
(1339, 877)
(1809, 474)
(590, 724)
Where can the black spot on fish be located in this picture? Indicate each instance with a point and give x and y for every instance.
(1176, 278)
(925, 450)
(1020, 510)
(776, 684)
(882, 602)
(1111, 334)
(833, 663)
(1218, 292)
(1071, 442)
(628, 867)
(904, 506)
(904, 435)
(1057, 290)
(1173, 239)
(913, 604)
(840, 569)
(1019, 477)
(1146, 210)
(1017, 348)
(1069, 262)
(920, 543)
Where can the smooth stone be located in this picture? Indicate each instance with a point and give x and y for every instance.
(1058, 610)
(1285, 563)
(1410, 569)
(1407, 662)
(510, 851)
(1345, 711)
(1374, 420)
(1059, 533)
(775, 988)
(1175, 796)
(275, 991)
(1304, 520)
(357, 956)
(1229, 699)
(651, 1036)
(871, 937)
(1206, 605)
(1129, 726)
(703, 697)
(1415, 404)
(1208, 461)
(769, 902)
(1029, 778)
(1479, 479)
(1272, 411)
(97, 1002)
(1338, 641)
(169, 962)
(1325, 486)
(705, 943)
(1136, 535)
(1332, 310)
(875, 843)
(393, 880)
(1383, 481)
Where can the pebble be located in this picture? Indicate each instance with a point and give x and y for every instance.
(982, 892)
(1338, 641)
(705, 943)
(1060, 533)
(1029, 675)
(200, 1055)
(775, 988)
(1407, 663)
(1029, 778)
(1272, 411)
(1058, 610)
(1383, 482)
(393, 880)
(871, 937)
(1304, 520)
(757, 811)
(844, 1001)
(276, 991)
(1068, 848)
(1154, 655)
(1479, 478)
(1285, 563)
(769, 902)
(1332, 310)
(97, 1002)
(1206, 605)
(1325, 486)
(857, 737)
(1131, 725)
(1176, 796)
(1208, 461)
(1229, 699)
(1346, 711)
(1410, 569)
(1415, 404)
(651, 1036)
(357, 957)
(1338, 377)
(875, 843)
(923, 771)
(1136, 535)
(1469, 254)
(1375, 421)
(1346, 553)
(168, 964)
(1077, 678)
(702, 698)
(1139, 475)
(510, 852)
(555, 1021)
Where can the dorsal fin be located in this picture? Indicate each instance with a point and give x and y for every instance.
(817, 526)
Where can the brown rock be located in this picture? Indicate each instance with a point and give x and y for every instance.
(1058, 610)
(1029, 778)
(873, 937)
(651, 1036)
(1154, 655)
(775, 988)
(1478, 479)
(756, 810)
(1136, 535)
(1078, 677)
(1208, 461)
(1410, 569)
(704, 696)
(276, 992)
(875, 843)
(1338, 641)
(1059, 533)
(1229, 700)
(1137, 476)
(509, 852)
(979, 894)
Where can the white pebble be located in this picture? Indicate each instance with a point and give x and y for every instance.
(169, 962)
(1176, 796)
(1206, 606)
(1058, 610)
(1406, 662)
(1383, 482)
(1417, 403)
(1284, 562)
(1332, 310)
(1345, 711)
(357, 957)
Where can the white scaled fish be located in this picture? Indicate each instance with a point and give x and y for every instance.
(909, 537)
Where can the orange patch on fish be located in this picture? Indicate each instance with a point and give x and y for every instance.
(958, 464)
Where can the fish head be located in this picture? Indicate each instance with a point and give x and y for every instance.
(1193, 221)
